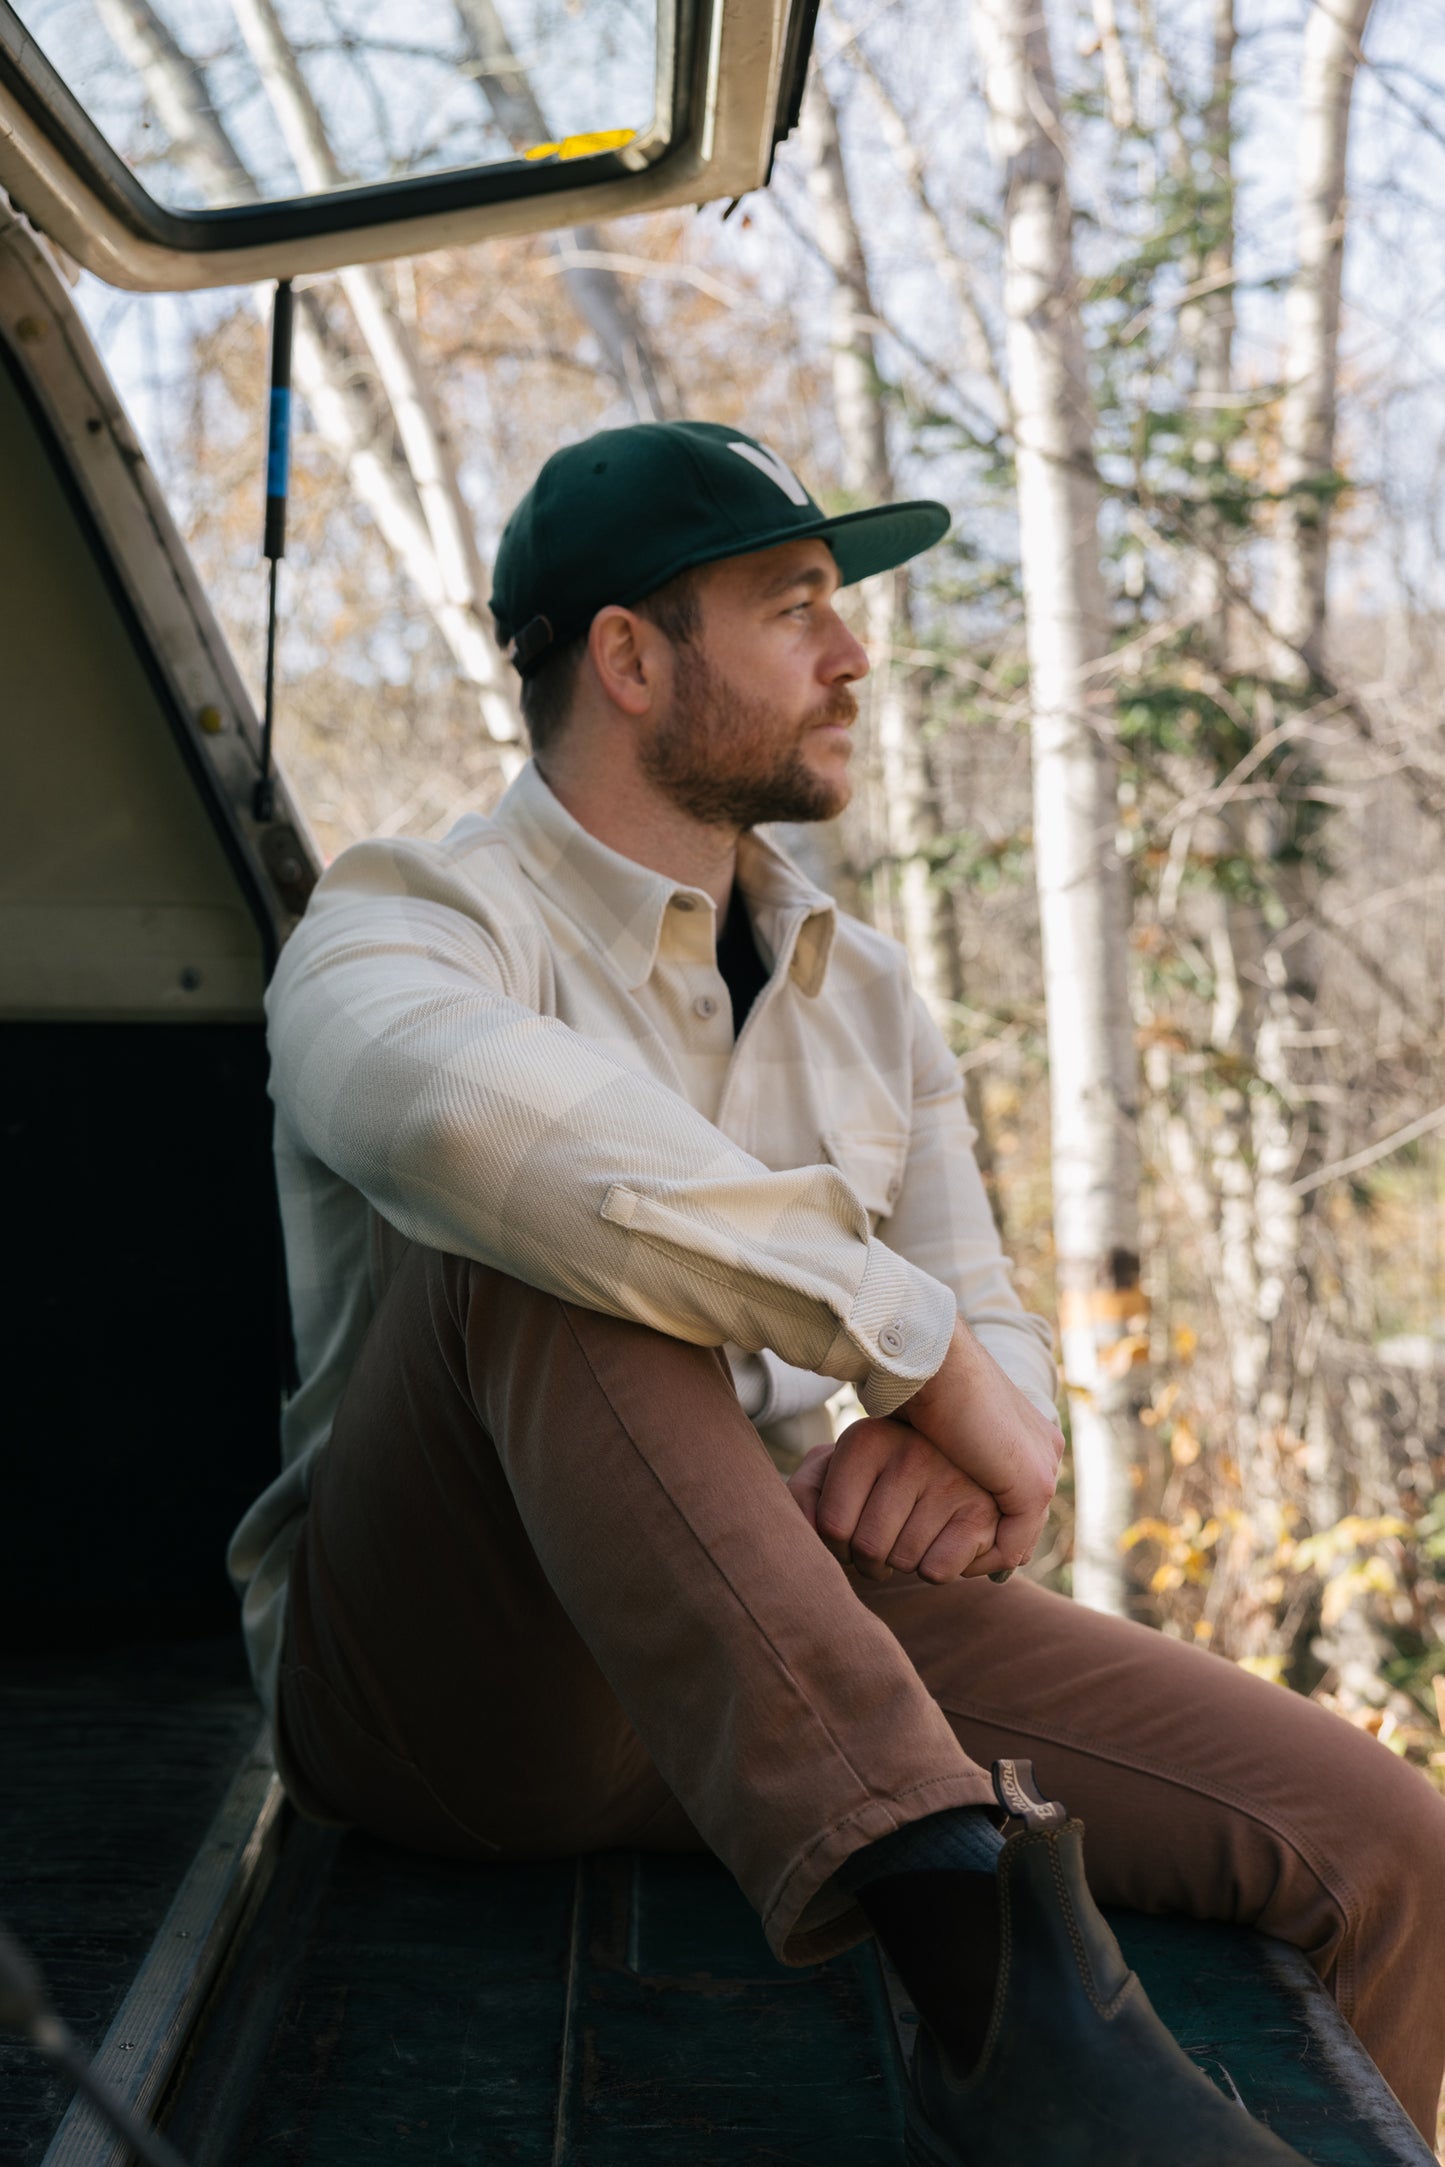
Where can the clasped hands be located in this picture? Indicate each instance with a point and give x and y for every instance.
(956, 1484)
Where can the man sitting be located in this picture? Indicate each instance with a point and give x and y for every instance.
(605, 1139)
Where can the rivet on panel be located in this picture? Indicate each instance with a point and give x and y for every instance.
(190, 979)
(211, 720)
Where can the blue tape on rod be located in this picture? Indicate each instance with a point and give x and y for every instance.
(278, 441)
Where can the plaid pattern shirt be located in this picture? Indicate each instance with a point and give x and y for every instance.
(515, 1045)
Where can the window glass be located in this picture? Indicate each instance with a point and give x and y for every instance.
(213, 103)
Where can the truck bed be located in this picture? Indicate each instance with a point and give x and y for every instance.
(111, 1769)
(356, 2004)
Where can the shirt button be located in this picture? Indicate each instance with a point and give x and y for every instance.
(890, 1339)
(704, 1006)
(894, 1187)
(684, 902)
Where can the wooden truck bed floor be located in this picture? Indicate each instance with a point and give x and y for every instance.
(617, 2011)
(111, 1768)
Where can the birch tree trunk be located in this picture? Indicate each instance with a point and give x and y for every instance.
(914, 826)
(1332, 38)
(1116, 68)
(1286, 1138)
(1234, 927)
(1288, 1135)
(1207, 330)
(1083, 895)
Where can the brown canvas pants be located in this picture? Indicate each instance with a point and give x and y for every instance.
(552, 1595)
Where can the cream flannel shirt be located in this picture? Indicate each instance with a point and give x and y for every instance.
(515, 1045)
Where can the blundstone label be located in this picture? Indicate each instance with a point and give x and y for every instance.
(1018, 1793)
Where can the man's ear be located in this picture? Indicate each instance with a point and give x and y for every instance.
(629, 656)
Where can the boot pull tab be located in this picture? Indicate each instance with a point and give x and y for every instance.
(1018, 1793)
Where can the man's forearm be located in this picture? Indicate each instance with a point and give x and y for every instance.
(980, 1421)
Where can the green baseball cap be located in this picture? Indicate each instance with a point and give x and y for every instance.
(615, 517)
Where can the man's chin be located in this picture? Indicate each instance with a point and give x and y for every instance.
(832, 793)
(838, 796)
(809, 796)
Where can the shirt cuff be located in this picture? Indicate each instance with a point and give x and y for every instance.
(772, 1390)
(900, 1323)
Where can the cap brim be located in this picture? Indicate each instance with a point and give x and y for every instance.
(862, 542)
(884, 536)
(875, 540)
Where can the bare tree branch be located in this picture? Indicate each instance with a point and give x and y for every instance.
(979, 353)
(346, 415)
(462, 576)
(599, 297)
(1374, 1152)
(682, 274)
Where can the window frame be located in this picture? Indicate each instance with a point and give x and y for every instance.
(736, 68)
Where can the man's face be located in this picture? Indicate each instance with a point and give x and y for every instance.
(757, 727)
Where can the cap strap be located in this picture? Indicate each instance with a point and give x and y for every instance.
(530, 642)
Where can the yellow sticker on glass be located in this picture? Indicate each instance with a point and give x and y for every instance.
(582, 146)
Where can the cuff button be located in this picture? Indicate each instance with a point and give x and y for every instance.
(890, 1339)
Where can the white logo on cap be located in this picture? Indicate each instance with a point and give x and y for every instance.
(768, 462)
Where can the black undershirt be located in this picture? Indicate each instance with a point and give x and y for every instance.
(743, 970)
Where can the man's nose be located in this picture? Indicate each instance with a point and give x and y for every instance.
(847, 656)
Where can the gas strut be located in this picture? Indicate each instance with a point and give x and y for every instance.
(273, 543)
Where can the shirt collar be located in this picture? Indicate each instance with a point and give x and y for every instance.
(794, 919)
(620, 906)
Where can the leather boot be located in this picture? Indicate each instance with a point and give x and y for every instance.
(1076, 2069)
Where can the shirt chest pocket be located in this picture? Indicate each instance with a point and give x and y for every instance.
(872, 1162)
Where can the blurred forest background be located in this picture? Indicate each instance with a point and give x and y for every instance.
(1151, 772)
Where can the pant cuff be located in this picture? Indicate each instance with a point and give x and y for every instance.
(809, 1917)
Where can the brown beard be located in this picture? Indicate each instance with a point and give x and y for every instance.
(718, 756)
